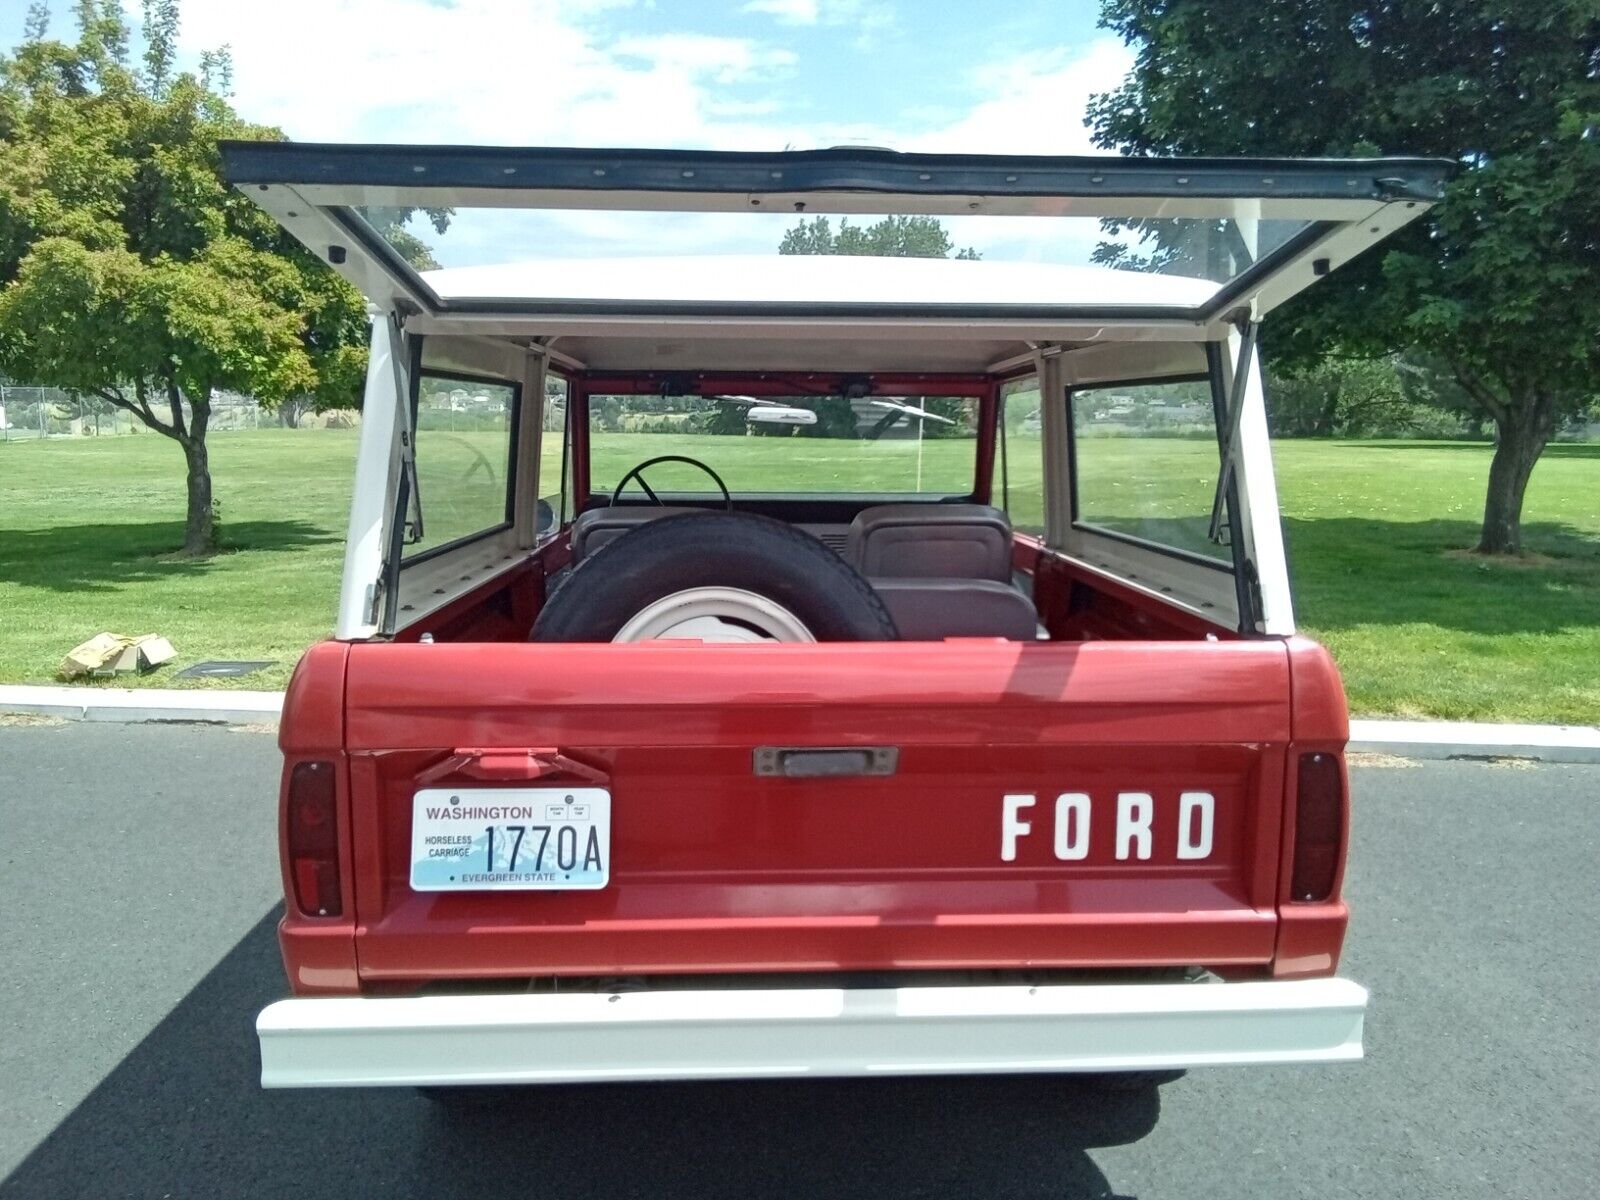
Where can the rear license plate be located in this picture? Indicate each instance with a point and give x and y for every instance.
(510, 839)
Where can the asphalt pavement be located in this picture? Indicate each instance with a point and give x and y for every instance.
(138, 895)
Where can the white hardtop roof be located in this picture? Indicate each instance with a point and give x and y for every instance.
(816, 279)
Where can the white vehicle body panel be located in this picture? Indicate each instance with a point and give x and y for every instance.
(815, 279)
(372, 494)
(818, 1032)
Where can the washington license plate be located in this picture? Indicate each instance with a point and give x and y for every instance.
(510, 839)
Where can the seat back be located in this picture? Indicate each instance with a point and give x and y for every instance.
(598, 526)
(931, 541)
(929, 610)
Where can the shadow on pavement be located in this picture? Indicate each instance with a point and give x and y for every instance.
(183, 1115)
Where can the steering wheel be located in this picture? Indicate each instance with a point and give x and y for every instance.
(638, 473)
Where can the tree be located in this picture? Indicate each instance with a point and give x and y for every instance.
(1502, 280)
(892, 237)
(390, 223)
(1344, 397)
(128, 269)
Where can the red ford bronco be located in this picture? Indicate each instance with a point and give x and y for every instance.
(758, 665)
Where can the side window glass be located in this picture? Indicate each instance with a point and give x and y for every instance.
(555, 457)
(464, 451)
(1145, 464)
(1021, 453)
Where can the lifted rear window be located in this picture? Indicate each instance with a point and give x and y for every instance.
(910, 445)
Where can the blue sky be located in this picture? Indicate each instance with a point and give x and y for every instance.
(735, 74)
(734, 71)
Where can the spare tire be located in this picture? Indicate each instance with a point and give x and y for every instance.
(671, 564)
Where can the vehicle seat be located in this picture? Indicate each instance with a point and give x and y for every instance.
(931, 541)
(929, 610)
(598, 526)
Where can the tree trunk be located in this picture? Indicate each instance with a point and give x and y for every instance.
(1523, 433)
(292, 409)
(199, 527)
(1328, 414)
(200, 523)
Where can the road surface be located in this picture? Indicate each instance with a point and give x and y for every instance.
(137, 904)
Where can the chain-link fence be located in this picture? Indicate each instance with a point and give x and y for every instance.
(36, 412)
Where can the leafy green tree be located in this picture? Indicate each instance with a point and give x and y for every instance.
(129, 270)
(1345, 397)
(390, 223)
(1502, 281)
(892, 237)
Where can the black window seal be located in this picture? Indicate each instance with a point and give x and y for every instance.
(758, 173)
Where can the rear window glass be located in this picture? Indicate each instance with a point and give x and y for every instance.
(787, 444)
(1145, 463)
(464, 457)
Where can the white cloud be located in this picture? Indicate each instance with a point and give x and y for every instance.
(790, 12)
(868, 17)
(550, 72)
(722, 59)
(557, 72)
(1033, 103)
(526, 72)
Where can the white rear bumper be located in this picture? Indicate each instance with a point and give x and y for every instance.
(583, 1037)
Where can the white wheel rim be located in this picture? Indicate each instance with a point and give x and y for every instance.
(714, 614)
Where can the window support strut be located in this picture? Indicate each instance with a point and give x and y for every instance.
(412, 514)
(1241, 369)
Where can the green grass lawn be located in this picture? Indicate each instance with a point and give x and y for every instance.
(86, 528)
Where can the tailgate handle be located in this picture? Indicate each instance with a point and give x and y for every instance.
(825, 762)
(511, 764)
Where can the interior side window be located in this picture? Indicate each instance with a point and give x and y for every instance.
(1021, 451)
(555, 457)
(464, 450)
(1145, 464)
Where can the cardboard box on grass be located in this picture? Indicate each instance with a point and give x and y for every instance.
(116, 654)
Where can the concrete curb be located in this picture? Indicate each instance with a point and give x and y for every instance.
(1466, 739)
(142, 704)
(1404, 739)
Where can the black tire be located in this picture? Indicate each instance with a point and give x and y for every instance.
(1126, 1081)
(459, 1101)
(778, 561)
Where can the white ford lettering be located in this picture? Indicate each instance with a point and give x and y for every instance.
(1012, 827)
(1192, 839)
(1072, 826)
(1135, 810)
(1194, 824)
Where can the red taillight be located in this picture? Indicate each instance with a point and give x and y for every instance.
(1318, 827)
(313, 839)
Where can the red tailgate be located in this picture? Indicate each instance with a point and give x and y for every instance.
(717, 868)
